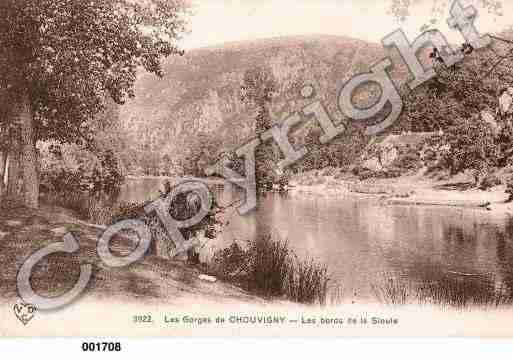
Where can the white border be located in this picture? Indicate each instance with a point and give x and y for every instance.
(265, 348)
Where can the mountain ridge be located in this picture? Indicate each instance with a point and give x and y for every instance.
(200, 92)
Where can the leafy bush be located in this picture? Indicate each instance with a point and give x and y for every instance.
(408, 159)
(470, 145)
(106, 178)
(76, 179)
(202, 152)
(229, 262)
(182, 207)
(455, 93)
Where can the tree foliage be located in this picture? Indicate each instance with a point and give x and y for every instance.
(202, 152)
(62, 61)
(258, 87)
(470, 145)
(456, 92)
(68, 55)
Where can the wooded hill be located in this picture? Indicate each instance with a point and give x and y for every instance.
(197, 107)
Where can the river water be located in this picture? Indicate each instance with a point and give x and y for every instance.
(362, 241)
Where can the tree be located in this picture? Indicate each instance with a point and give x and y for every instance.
(471, 145)
(61, 58)
(457, 92)
(7, 134)
(258, 87)
(203, 150)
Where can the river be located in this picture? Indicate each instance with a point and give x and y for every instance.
(363, 242)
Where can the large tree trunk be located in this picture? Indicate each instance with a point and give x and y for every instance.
(3, 156)
(13, 172)
(28, 163)
(6, 164)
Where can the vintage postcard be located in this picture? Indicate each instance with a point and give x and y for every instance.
(286, 168)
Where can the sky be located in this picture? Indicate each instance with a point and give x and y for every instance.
(218, 21)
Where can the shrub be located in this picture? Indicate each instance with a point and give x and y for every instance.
(182, 207)
(470, 145)
(88, 186)
(443, 290)
(65, 188)
(270, 268)
(229, 262)
(408, 160)
(489, 181)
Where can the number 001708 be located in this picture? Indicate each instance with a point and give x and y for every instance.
(101, 347)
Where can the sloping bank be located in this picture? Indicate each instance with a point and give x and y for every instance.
(24, 231)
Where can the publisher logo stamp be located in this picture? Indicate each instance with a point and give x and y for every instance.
(24, 312)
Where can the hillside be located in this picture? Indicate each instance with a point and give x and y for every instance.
(200, 92)
(451, 146)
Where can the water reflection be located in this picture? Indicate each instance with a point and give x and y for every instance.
(361, 241)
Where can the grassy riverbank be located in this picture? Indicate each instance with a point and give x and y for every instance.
(24, 231)
(265, 272)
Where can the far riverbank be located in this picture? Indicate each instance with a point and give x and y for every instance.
(405, 190)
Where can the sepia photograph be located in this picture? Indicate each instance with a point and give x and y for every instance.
(256, 168)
